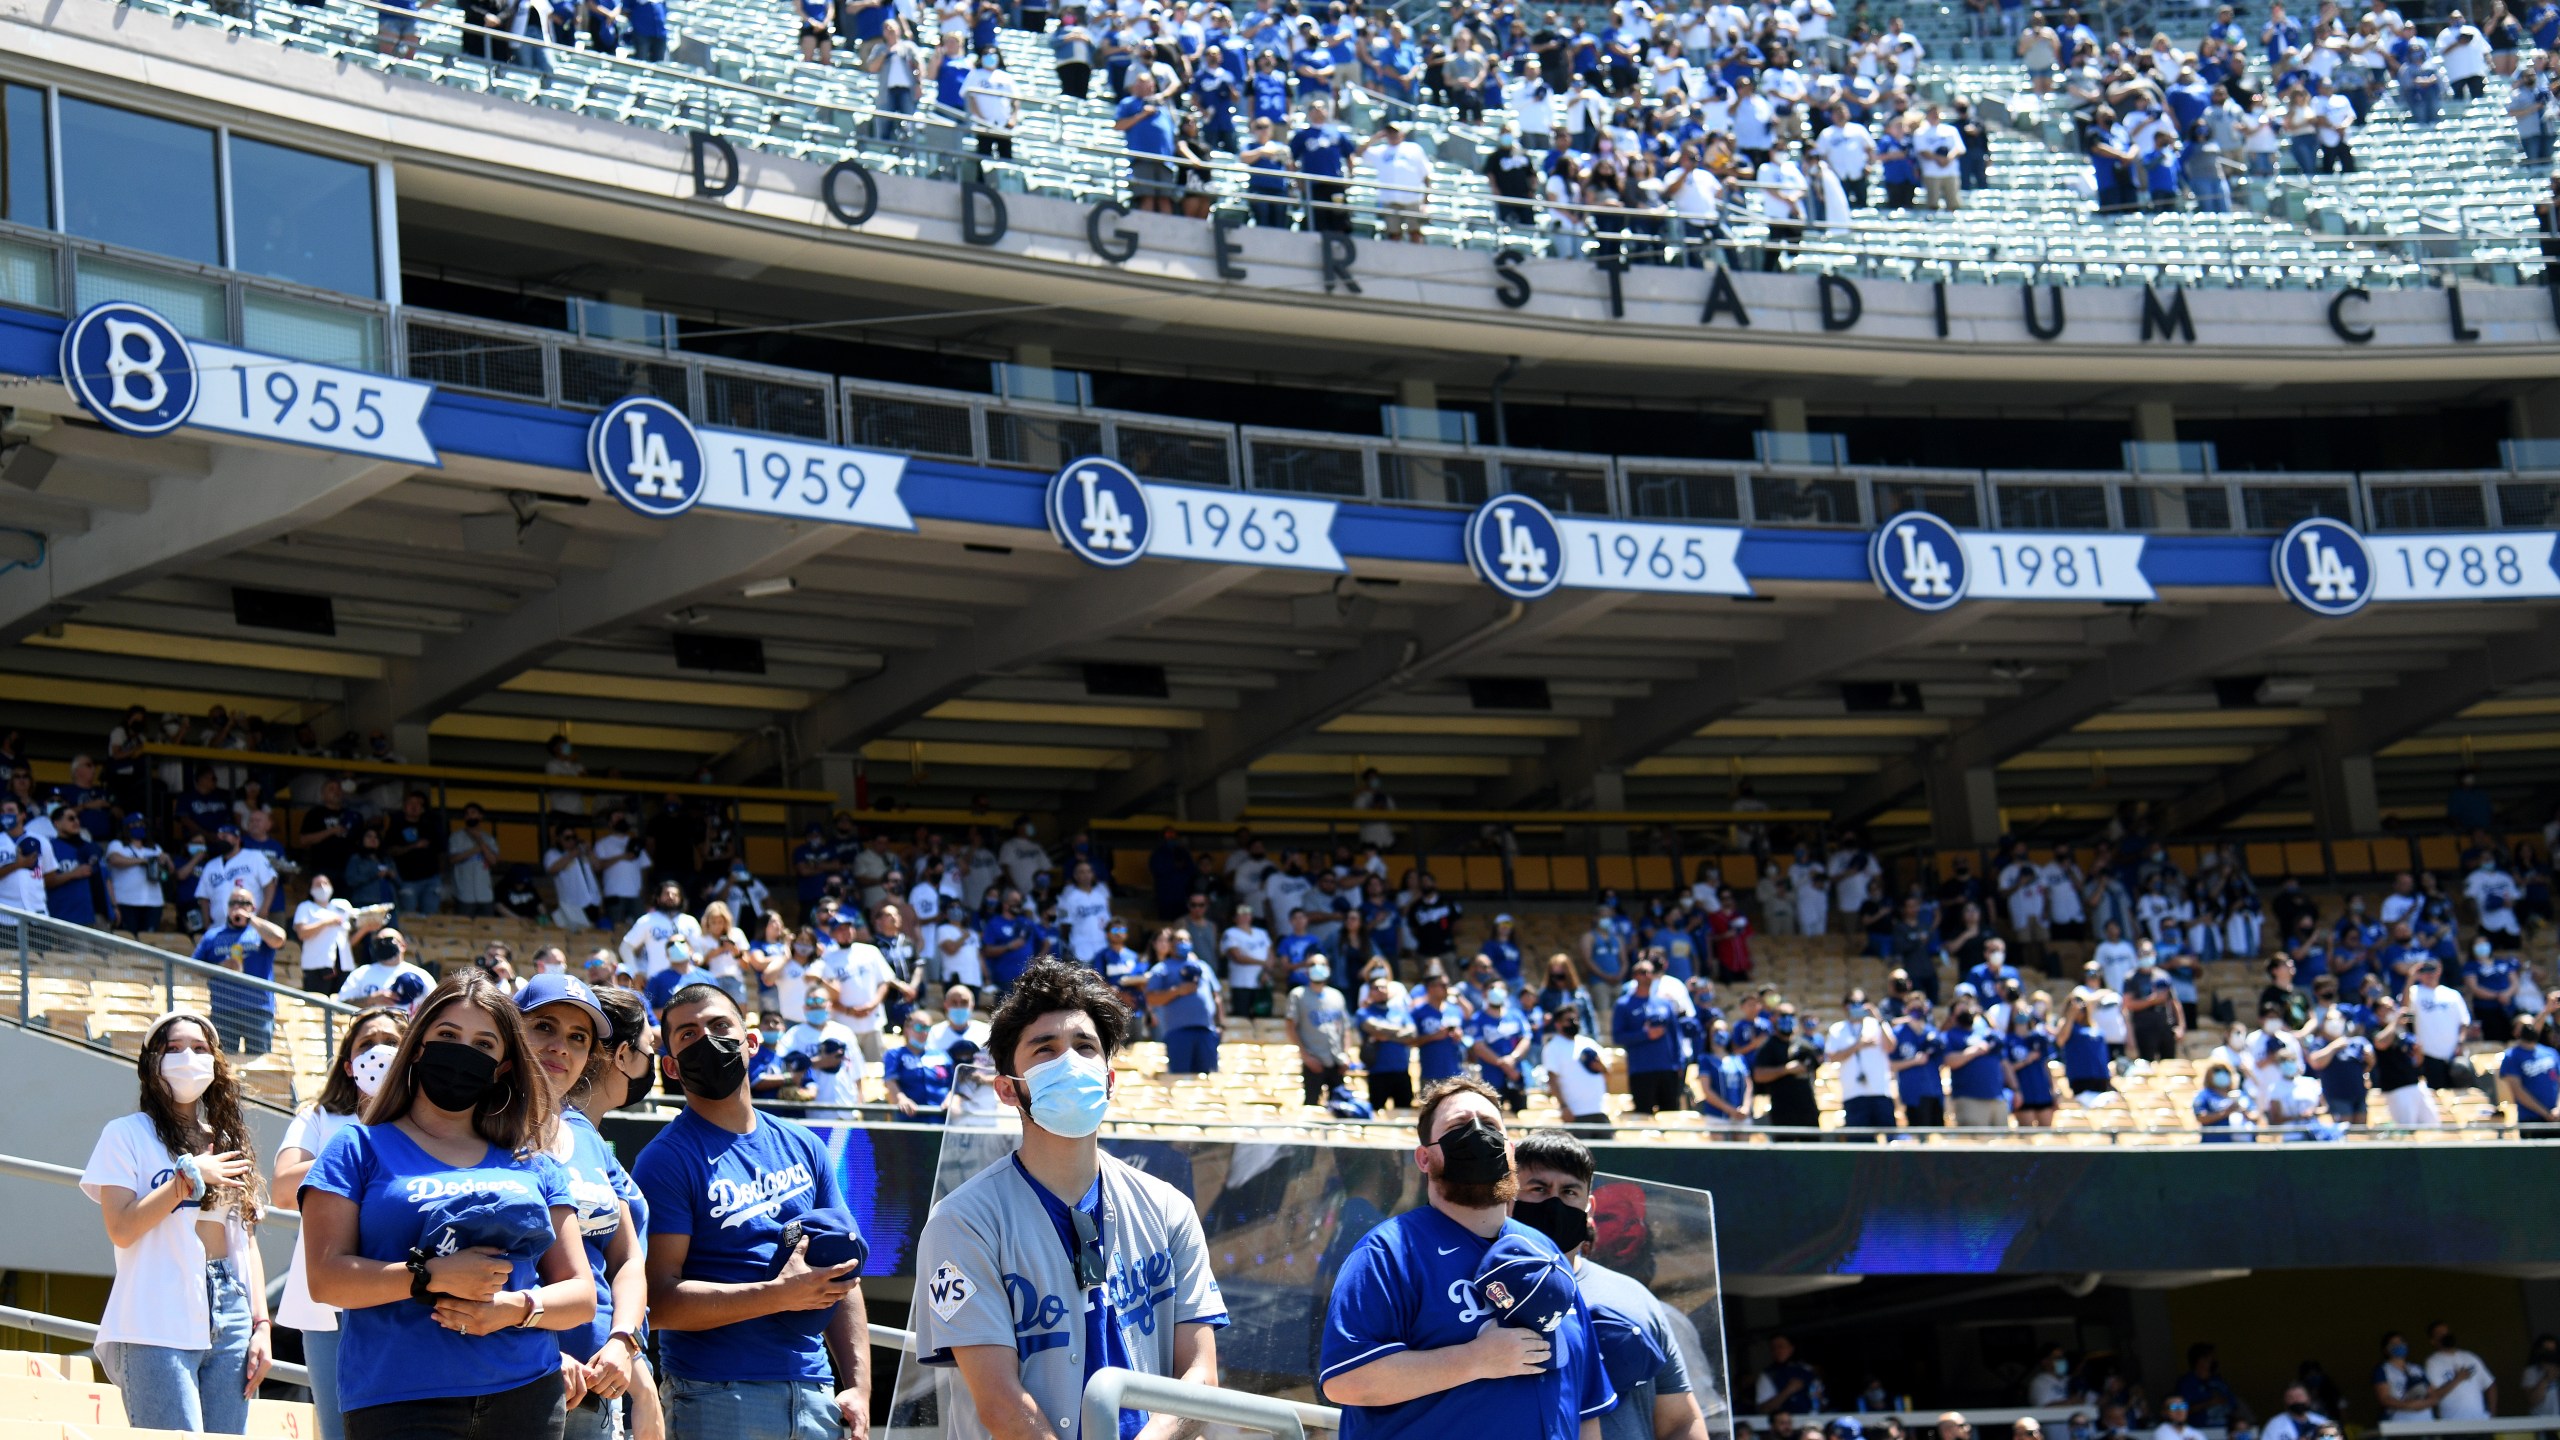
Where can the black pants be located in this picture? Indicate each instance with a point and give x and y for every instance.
(1857, 192)
(2497, 1022)
(1898, 194)
(2154, 1042)
(999, 146)
(528, 1412)
(1390, 1087)
(1075, 80)
(1328, 214)
(1320, 1083)
(1654, 1090)
(2471, 87)
(1924, 1114)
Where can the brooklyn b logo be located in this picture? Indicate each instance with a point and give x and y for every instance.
(129, 372)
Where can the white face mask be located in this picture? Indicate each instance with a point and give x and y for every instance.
(187, 1073)
(369, 1066)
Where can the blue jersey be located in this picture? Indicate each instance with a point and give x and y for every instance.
(1153, 134)
(732, 1194)
(924, 1078)
(2084, 1054)
(1920, 1082)
(1505, 956)
(2342, 1080)
(1270, 95)
(1980, 1080)
(1500, 1034)
(648, 17)
(74, 901)
(1438, 1034)
(2533, 1067)
(1215, 89)
(813, 884)
(1635, 1017)
(1195, 1011)
(1323, 151)
(1390, 1057)
(394, 1353)
(1729, 1076)
(1410, 1285)
(596, 1185)
(2032, 1054)
(1291, 951)
(997, 933)
(230, 946)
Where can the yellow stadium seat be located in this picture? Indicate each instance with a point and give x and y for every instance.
(1571, 874)
(1484, 874)
(2439, 852)
(1654, 874)
(1129, 867)
(2184, 857)
(2305, 858)
(1741, 870)
(1617, 872)
(2352, 857)
(29, 1397)
(2266, 858)
(1530, 875)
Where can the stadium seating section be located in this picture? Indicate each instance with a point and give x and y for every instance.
(60, 1397)
(2426, 205)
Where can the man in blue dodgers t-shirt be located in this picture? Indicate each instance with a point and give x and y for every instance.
(1408, 1350)
(1026, 1292)
(756, 1345)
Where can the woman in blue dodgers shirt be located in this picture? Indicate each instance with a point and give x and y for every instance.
(757, 1344)
(568, 1027)
(1028, 1292)
(448, 1245)
(1407, 1351)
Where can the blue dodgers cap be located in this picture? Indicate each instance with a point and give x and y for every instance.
(409, 989)
(29, 847)
(137, 825)
(1524, 1284)
(563, 989)
(1628, 1351)
(834, 1236)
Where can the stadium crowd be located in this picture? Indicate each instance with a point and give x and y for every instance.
(1630, 129)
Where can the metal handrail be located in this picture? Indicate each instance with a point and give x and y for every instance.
(63, 1328)
(52, 1174)
(1111, 1389)
(171, 962)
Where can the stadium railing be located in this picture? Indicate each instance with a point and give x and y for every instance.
(114, 1000)
(1112, 1389)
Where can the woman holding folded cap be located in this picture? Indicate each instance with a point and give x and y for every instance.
(570, 1031)
(184, 1336)
(445, 1238)
(355, 1075)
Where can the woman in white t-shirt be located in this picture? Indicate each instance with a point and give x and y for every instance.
(328, 928)
(364, 1054)
(723, 950)
(184, 1336)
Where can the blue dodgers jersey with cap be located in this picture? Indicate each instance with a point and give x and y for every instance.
(990, 1270)
(733, 1194)
(388, 1354)
(595, 1190)
(1410, 1285)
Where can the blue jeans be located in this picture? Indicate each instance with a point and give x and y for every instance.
(421, 897)
(1192, 1050)
(2306, 153)
(895, 100)
(203, 1390)
(750, 1410)
(2425, 103)
(320, 1357)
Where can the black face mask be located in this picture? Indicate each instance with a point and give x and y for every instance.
(1567, 1225)
(1473, 1154)
(713, 1067)
(454, 1076)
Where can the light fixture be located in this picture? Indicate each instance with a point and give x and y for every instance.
(767, 589)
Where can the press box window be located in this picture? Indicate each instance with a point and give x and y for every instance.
(303, 217)
(26, 175)
(140, 181)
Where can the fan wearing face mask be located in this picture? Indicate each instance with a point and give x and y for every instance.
(1423, 1339)
(763, 1333)
(355, 1075)
(1059, 1260)
(448, 1245)
(184, 1336)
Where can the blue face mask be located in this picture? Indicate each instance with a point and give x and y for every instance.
(957, 1016)
(1784, 1025)
(1069, 1094)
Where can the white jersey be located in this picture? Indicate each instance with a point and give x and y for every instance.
(990, 1271)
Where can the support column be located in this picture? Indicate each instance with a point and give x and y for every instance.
(1039, 447)
(840, 776)
(1226, 796)
(2155, 422)
(2534, 414)
(411, 739)
(2343, 798)
(1609, 792)
(1964, 806)
(1786, 415)
(1424, 479)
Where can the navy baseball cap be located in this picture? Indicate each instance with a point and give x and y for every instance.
(1525, 1285)
(136, 825)
(226, 828)
(544, 990)
(409, 989)
(29, 846)
(834, 1236)
(1628, 1352)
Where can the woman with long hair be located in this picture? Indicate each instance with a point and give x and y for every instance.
(722, 950)
(570, 1030)
(184, 1336)
(626, 1057)
(446, 1239)
(355, 1073)
(774, 958)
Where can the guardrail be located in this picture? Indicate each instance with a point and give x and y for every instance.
(1111, 1390)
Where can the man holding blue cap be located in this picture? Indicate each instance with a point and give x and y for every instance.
(233, 866)
(758, 1344)
(23, 862)
(70, 883)
(247, 942)
(1407, 1350)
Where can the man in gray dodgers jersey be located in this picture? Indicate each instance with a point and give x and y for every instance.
(1059, 1260)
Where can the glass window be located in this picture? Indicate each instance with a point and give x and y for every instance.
(303, 217)
(139, 181)
(26, 172)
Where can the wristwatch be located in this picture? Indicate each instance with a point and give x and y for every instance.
(627, 1337)
(533, 1310)
(418, 1290)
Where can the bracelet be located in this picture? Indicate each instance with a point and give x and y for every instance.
(418, 1290)
(258, 1321)
(193, 1174)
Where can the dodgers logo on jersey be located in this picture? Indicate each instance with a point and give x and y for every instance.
(645, 453)
(1918, 559)
(1516, 546)
(1462, 1293)
(1098, 509)
(130, 368)
(2323, 566)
